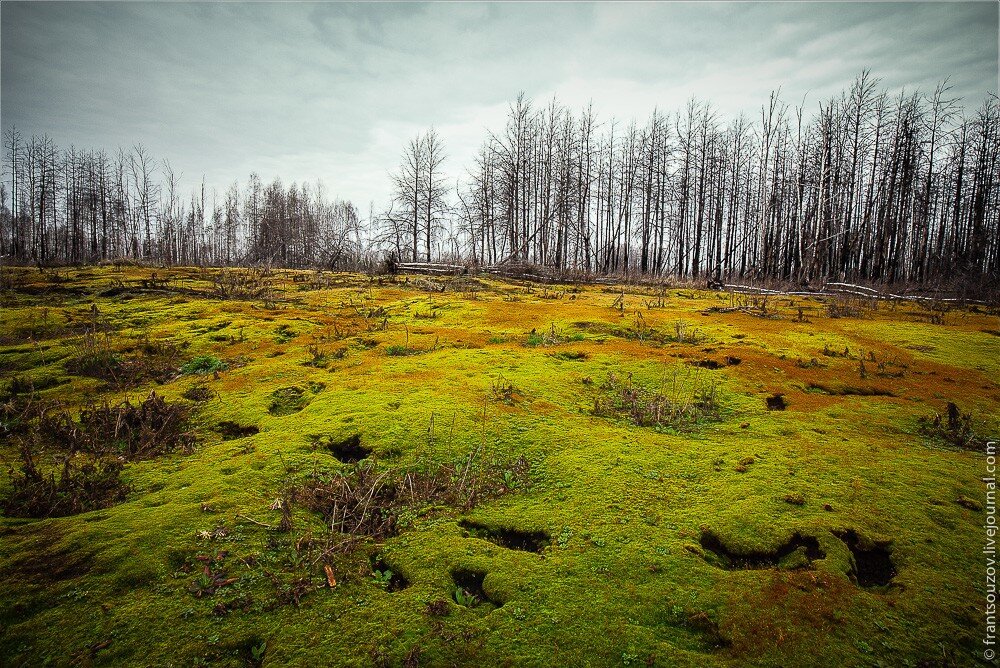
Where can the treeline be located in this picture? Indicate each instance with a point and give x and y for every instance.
(73, 206)
(872, 187)
(869, 186)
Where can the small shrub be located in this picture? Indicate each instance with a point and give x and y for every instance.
(843, 309)
(95, 356)
(77, 488)
(246, 284)
(682, 407)
(503, 390)
(368, 502)
(132, 431)
(954, 427)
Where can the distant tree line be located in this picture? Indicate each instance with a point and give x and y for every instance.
(871, 186)
(73, 206)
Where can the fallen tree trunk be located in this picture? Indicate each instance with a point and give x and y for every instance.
(430, 268)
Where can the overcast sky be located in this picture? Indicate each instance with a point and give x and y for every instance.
(332, 91)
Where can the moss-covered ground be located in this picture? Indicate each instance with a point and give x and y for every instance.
(724, 540)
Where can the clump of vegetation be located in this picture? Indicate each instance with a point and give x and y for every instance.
(96, 356)
(284, 334)
(247, 284)
(683, 333)
(551, 337)
(844, 308)
(681, 406)
(319, 357)
(464, 597)
(144, 430)
(76, 488)
(204, 364)
(375, 502)
(387, 578)
(954, 427)
(503, 391)
(829, 352)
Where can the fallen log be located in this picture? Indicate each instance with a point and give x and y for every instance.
(430, 268)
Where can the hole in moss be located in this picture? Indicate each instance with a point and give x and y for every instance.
(231, 430)
(468, 591)
(198, 393)
(250, 649)
(347, 450)
(798, 552)
(706, 364)
(570, 355)
(387, 577)
(776, 402)
(288, 400)
(873, 565)
(849, 390)
(508, 537)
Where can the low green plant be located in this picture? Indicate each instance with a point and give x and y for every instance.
(382, 578)
(257, 653)
(464, 597)
(203, 364)
(534, 339)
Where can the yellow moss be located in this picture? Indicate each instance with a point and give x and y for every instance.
(623, 578)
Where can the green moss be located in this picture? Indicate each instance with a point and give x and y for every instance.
(623, 578)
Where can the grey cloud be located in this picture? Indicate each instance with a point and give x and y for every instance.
(332, 91)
